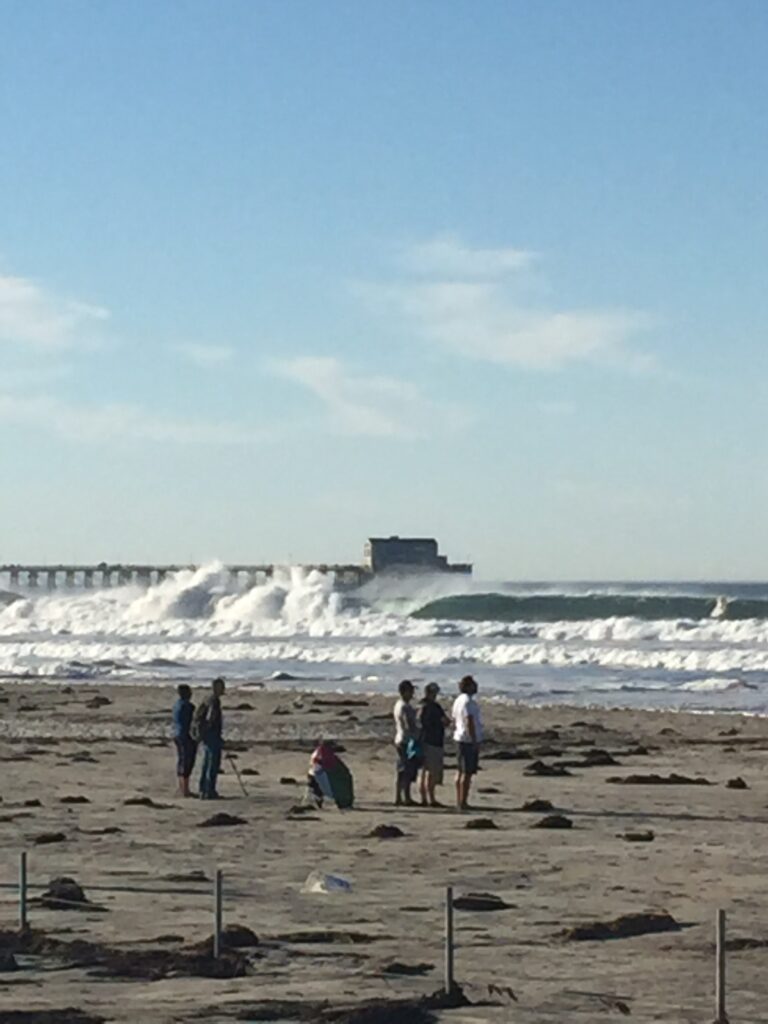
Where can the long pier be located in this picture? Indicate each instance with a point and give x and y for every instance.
(105, 575)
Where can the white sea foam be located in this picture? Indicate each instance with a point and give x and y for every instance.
(198, 622)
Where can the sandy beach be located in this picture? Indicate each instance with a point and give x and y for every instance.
(73, 755)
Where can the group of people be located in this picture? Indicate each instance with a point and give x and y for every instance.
(199, 726)
(420, 737)
(420, 742)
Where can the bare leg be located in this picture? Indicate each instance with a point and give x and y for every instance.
(459, 788)
(466, 782)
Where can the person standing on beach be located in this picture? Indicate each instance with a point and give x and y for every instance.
(406, 744)
(208, 727)
(433, 722)
(186, 747)
(468, 734)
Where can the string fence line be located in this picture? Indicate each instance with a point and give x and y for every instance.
(216, 896)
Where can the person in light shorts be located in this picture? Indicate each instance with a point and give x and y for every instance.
(433, 721)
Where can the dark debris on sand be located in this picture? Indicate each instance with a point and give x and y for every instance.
(482, 901)
(64, 893)
(658, 780)
(596, 758)
(326, 938)
(553, 821)
(537, 806)
(481, 824)
(66, 1016)
(642, 836)
(507, 755)
(196, 875)
(373, 1011)
(737, 783)
(625, 927)
(234, 936)
(386, 832)
(146, 801)
(46, 838)
(222, 819)
(407, 970)
(546, 771)
(151, 964)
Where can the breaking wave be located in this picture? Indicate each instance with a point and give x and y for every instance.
(706, 646)
(580, 607)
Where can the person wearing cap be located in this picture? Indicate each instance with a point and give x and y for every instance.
(468, 734)
(207, 728)
(433, 722)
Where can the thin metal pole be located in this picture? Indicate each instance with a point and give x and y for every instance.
(721, 1016)
(449, 982)
(23, 891)
(217, 913)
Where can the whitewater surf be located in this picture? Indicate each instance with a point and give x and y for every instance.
(652, 645)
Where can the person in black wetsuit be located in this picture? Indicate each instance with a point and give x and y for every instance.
(433, 722)
(186, 747)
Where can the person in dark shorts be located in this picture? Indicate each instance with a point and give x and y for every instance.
(207, 726)
(433, 722)
(407, 744)
(468, 735)
(186, 747)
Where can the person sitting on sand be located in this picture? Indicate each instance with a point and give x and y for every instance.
(407, 735)
(329, 777)
(433, 722)
(186, 747)
(207, 727)
(321, 762)
(468, 734)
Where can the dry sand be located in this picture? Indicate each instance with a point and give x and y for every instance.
(708, 850)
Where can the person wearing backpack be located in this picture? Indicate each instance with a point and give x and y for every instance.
(207, 728)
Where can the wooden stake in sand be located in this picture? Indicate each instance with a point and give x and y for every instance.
(721, 1017)
(449, 982)
(23, 891)
(217, 913)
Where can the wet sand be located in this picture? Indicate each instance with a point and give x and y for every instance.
(692, 848)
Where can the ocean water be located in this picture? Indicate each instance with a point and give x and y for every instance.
(696, 646)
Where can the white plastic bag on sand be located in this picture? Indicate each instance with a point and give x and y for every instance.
(317, 881)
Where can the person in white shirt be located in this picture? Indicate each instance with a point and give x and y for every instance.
(407, 735)
(468, 734)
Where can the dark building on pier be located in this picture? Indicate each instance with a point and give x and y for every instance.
(408, 555)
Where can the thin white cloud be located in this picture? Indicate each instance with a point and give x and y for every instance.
(483, 317)
(370, 405)
(34, 317)
(205, 356)
(120, 422)
(447, 257)
(24, 377)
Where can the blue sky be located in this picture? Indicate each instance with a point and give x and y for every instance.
(278, 276)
